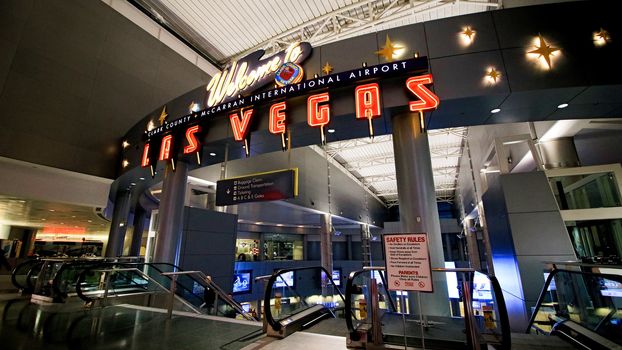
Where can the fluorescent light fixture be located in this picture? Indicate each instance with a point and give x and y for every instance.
(212, 154)
(496, 110)
(563, 105)
(331, 131)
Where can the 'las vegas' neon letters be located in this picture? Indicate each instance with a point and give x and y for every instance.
(240, 127)
(193, 143)
(427, 99)
(367, 98)
(277, 118)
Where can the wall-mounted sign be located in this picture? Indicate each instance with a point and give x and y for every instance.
(270, 186)
(251, 72)
(187, 133)
(407, 261)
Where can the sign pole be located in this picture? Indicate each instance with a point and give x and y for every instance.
(421, 320)
(404, 319)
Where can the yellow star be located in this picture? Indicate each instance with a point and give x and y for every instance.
(601, 37)
(493, 74)
(469, 33)
(192, 106)
(327, 69)
(163, 116)
(544, 50)
(388, 50)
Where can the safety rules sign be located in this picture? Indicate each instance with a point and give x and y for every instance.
(408, 262)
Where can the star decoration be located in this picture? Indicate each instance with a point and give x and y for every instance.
(469, 33)
(163, 116)
(544, 50)
(388, 50)
(601, 37)
(327, 69)
(192, 106)
(493, 74)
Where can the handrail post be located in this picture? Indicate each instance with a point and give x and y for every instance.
(106, 286)
(375, 318)
(469, 320)
(172, 297)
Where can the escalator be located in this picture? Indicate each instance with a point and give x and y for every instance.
(109, 281)
(379, 317)
(298, 299)
(582, 304)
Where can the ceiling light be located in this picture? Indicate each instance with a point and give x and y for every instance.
(89, 220)
(62, 223)
(132, 183)
(212, 154)
(42, 219)
(141, 179)
(125, 144)
(52, 210)
(331, 130)
(496, 110)
(563, 105)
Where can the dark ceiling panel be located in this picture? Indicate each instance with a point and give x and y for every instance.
(445, 38)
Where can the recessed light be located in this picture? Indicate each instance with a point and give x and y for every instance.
(133, 183)
(90, 220)
(331, 130)
(212, 154)
(496, 110)
(42, 219)
(141, 179)
(52, 210)
(62, 223)
(563, 105)
(73, 216)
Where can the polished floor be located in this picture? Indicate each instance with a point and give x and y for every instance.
(31, 327)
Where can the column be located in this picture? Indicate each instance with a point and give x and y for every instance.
(417, 200)
(140, 216)
(169, 235)
(118, 225)
(326, 247)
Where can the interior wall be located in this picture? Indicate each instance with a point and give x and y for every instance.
(75, 75)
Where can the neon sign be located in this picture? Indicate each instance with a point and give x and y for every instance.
(251, 73)
(321, 102)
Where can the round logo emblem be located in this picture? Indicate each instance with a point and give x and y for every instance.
(288, 73)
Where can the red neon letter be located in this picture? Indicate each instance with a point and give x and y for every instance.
(145, 161)
(240, 128)
(277, 118)
(193, 143)
(318, 115)
(165, 147)
(367, 101)
(427, 99)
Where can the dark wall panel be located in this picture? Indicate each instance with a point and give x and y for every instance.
(74, 77)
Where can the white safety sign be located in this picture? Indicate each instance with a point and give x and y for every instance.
(408, 262)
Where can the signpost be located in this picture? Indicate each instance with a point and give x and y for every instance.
(408, 267)
(408, 262)
(269, 186)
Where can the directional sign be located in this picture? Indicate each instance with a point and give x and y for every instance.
(269, 186)
(408, 262)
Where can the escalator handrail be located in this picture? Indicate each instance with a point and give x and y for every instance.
(268, 313)
(547, 284)
(349, 292)
(56, 279)
(506, 332)
(82, 276)
(18, 267)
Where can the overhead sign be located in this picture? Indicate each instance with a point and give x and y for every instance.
(260, 187)
(407, 260)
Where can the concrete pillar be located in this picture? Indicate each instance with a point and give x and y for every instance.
(118, 225)
(171, 212)
(559, 153)
(140, 217)
(417, 200)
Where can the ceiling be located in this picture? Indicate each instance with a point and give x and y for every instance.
(372, 162)
(225, 30)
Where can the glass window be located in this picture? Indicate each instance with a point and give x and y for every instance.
(283, 247)
(596, 238)
(246, 250)
(598, 190)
